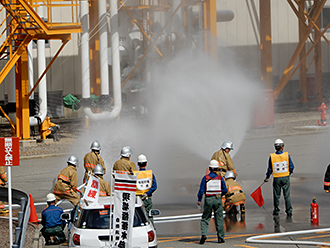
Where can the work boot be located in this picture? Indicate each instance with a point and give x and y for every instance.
(221, 240)
(49, 242)
(203, 238)
(56, 240)
(289, 218)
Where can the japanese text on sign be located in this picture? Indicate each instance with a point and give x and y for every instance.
(125, 188)
(92, 189)
(9, 154)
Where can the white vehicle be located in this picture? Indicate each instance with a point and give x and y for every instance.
(89, 226)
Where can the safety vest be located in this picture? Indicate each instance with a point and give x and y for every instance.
(280, 164)
(143, 181)
(213, 185)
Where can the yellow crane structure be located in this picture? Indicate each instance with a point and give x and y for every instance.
(309, 31)
(23, 24)
(20, 26)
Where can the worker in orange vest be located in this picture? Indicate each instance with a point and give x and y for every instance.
(146, 183)
(281, 166)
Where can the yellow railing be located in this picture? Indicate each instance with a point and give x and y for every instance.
(57, 6)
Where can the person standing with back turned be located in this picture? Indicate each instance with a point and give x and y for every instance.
(124, 163)
(93, 158)
(146, 184)
(213, 186)
(281, 166)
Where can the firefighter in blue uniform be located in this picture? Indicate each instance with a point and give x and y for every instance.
(213, 186)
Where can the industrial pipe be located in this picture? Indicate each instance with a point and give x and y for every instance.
(103, 47)
(116, 80)
(225, 15)
(43, 83)
(85, 77)
(30, 67)
(222, 15)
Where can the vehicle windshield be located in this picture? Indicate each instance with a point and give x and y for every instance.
(99, 218)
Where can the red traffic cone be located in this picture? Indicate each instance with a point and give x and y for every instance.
(33, 212)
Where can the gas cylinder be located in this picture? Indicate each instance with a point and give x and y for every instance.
(314, 212)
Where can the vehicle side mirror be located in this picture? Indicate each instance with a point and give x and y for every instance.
(154, 212)
(66, 216)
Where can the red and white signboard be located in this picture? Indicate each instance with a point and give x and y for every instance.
(124, 193)
(9, 151)
(92, 190)
(9, 156)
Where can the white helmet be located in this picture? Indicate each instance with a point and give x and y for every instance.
(95, 146)
(126, 152)
(142, 158)
(50, 197)
(214, 164)
(278, 144)
(98, 170)
(73, 160)
(227, 144)
(229, 174)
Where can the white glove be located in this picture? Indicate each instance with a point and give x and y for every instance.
(266, 179)
(144, 196)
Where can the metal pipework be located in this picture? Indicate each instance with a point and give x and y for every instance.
(116, 80)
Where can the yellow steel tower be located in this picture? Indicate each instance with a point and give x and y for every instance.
(25, 25)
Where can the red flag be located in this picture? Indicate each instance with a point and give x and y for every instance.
(257, 197)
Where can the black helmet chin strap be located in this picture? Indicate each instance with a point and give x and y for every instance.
(97, 154)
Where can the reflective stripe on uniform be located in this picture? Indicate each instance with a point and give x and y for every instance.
(88, 165)
(60, 192)
(102, 193)
(326, 183)
(64, 178)
(234, 188)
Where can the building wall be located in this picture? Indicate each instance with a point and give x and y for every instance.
(241, 36)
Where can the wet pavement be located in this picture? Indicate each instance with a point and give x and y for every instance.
(177, 194)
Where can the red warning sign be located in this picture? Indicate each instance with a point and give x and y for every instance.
(9, 151)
